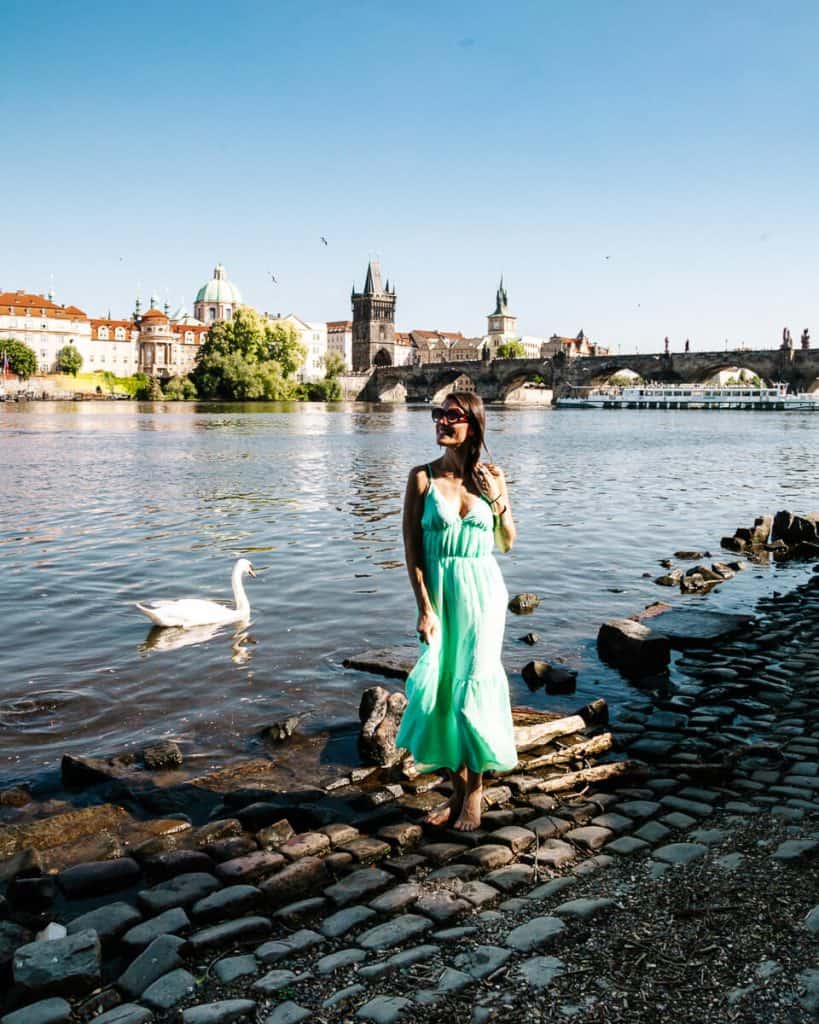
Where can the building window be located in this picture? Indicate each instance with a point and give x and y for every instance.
(119, 333)
(212, 313)
(102, 333)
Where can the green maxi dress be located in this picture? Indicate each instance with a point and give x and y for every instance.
(458, 709)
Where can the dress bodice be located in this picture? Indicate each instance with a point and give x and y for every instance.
(447, 534)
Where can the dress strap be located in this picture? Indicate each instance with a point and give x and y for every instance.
(429, 476)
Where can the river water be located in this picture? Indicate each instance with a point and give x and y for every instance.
(104, 504)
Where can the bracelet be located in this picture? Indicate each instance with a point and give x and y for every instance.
(496, 498)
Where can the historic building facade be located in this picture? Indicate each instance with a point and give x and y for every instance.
(374, 341)
(218, 299)
(340, 340)
(46, 327)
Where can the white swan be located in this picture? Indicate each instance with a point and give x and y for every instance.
(195, 612)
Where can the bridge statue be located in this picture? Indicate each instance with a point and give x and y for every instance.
(787, 340)
(804, 341)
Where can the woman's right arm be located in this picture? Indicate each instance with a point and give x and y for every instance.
(413, 551)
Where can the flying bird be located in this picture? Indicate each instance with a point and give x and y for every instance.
(324, 239)
(272, 277)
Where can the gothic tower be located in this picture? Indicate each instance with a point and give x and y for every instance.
(502, 323)
(373, 322)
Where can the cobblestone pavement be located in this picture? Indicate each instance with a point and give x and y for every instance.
(684, 897)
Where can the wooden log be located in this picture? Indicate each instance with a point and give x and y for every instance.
(600, 773)
(586, 748)
(538, 735)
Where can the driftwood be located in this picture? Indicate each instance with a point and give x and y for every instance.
(538, 735)
(601, 773)
(586, 748)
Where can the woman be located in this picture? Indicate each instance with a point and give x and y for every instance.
(458, 716)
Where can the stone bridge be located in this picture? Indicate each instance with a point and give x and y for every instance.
(495, 380)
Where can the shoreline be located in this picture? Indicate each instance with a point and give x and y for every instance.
(718, 745)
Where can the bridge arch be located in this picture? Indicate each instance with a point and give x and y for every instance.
(382, 358)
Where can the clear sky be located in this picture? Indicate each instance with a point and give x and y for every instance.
(636, 169)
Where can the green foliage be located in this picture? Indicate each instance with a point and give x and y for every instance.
(22, 359)
(625, 380)
(69, 360)
(248, 357)
(109, 379)
(743, 380)
(180, 389)
(513, 349)
(334, 365)
(154, 392)
(327, 390)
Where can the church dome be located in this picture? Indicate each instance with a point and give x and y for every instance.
(154, 314)
(219, 289)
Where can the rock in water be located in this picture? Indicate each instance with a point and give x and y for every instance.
(554, 678)
(159, 756)
(278, 732)
(632, 647)
(522, 604)
(380, 714)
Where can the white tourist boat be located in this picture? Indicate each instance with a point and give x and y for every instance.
(686, 396)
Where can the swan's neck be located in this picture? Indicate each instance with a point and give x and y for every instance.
(239, 595)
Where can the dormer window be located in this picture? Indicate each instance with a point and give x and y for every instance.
(102, 333)
(119, 334)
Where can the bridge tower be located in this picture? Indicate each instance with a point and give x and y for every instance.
(501, 324)
(373, 322)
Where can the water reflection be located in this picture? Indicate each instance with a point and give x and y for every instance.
(173, 638)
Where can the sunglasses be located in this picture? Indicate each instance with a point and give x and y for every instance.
(452, 415)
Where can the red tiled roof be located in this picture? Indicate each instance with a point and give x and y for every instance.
(339, 325)
(154, 314)
(105, 322)
(21, 301)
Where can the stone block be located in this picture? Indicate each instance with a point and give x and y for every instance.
(169, 990)
(99, 877)
(489, 856)
(68, 966)
(109, 922)
(46, 1011)
(395, 932)
(182, 891)
(225, 1011)
(242, 929)
(234, 901)
(358, 886)
(143, 934)
(297, 879)
(161, 957)
(252, 867)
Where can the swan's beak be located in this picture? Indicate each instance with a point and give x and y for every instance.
(251, 572)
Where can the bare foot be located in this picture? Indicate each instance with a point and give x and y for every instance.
(441, 815)
(470, 817)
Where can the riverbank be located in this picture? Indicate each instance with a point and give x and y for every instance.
(699, 876)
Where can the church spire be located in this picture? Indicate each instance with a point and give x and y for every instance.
(501, 301)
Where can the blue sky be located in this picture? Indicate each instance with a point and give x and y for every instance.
(635, 169)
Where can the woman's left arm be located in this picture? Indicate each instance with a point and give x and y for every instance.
(505, 531)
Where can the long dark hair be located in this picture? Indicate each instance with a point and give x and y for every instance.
(472, 405)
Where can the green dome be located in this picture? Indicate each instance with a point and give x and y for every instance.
(219, 289)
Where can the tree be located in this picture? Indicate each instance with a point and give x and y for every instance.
(154, 391)
(510, 350)
(334, 365)
(180, 389)
(327, 390)
(22, 359)
(69, 360)
(285, 347)
(248, 357)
